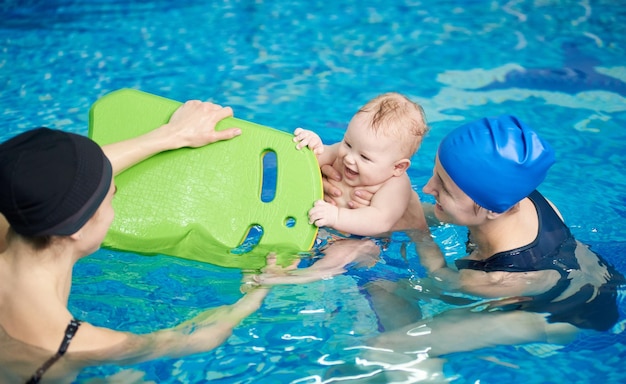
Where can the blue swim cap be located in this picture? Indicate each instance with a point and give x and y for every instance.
(496, 161)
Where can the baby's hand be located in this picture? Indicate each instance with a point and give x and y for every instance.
(306, 138)
(323, 214)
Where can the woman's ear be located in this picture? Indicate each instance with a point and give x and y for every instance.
(495, 215)
(401, 166)
(77, 235)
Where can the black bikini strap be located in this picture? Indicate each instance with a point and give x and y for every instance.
(70, 331)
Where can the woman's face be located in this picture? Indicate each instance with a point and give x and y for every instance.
(452, 204)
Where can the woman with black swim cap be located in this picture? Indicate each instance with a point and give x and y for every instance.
(55, 194)
(546, 286)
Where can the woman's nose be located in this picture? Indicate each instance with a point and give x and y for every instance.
(429, 187)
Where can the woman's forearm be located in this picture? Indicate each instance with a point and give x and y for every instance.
(125, 154)
(428, 251)
(204, 332)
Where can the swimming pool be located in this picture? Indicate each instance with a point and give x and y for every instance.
(312, 64)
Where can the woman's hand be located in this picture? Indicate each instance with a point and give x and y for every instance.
(359, 198)
(193, 125)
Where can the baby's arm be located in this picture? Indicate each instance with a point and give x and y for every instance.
(387, 207)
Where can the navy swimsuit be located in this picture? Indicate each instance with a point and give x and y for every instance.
(554, 248)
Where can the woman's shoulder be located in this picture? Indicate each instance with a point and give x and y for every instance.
(89, 338)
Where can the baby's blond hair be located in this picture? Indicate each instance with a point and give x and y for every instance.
(393, 114)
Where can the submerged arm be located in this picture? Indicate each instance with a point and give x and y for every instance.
(211, 328)
(432, 259)
(474, 282)
(204, 332)
(429, 214)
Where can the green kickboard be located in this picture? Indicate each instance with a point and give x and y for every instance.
(200, 203)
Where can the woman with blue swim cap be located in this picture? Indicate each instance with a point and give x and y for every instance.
(545, 284)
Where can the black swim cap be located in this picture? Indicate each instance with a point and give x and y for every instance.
(51, 182)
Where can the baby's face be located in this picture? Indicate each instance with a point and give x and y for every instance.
(367, 158)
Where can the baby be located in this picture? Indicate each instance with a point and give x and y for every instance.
(373, 156)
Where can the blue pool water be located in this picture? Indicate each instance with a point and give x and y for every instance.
(559, 65)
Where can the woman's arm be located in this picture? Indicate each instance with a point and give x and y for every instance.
(204, 332)
(478, 283)
(192, 125)
(209, 329)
